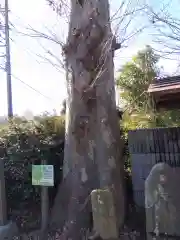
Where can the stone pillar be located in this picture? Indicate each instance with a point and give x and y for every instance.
(104, 217)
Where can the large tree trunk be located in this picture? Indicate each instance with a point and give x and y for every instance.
(92, 155)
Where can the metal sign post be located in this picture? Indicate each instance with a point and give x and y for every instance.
(43, 175)
(44, 204)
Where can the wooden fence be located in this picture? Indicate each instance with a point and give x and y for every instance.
(148, 147)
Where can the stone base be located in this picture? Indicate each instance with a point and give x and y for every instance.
(8, 231)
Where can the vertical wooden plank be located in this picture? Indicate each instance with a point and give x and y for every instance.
(155, 145)
(173, 146)
(130, 143)
(152, 141)
(148, 148)
(165, 138)
(3, 207)
(136, 143)
(161, 144)
(170, 148)
(178, 140)
(176, 146)
(142, 135)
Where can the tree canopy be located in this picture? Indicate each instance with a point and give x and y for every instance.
(134, 79)
(136, 75)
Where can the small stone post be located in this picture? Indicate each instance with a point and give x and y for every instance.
(104, 216)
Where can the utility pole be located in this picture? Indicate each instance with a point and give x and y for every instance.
(8, 62)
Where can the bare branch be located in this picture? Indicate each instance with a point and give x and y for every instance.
(50, 36)
(61, 7)
(121, 19)
(167, 28)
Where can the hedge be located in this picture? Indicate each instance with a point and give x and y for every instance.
(22, 144)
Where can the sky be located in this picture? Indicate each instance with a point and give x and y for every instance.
(37, 85)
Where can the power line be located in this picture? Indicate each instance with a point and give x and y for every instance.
(5, 14)
(32, 88)
(50, 36)
(35, 90)
(24, 83)
(55, 61)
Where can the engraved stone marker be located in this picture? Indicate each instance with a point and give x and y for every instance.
(104, 216)
(162, 202)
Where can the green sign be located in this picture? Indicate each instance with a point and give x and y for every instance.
(43, 175)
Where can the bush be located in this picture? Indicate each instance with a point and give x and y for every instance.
(21, 145)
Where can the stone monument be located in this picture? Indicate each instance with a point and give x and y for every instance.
(162, 202)
(104, 216)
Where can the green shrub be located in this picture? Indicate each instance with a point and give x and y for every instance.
(23, 143)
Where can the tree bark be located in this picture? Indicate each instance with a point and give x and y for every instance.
(92, 155)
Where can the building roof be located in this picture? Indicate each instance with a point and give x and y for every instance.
(165, 85)
(166, 92)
